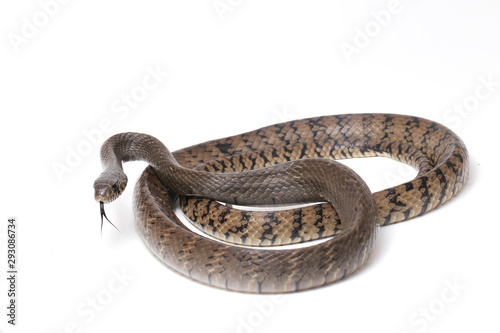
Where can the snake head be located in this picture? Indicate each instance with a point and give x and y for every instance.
(109, 186)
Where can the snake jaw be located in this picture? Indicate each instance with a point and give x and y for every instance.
(103, 215)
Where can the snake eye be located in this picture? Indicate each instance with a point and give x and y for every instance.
(115, 188)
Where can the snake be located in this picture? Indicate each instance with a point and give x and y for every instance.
(287, 163)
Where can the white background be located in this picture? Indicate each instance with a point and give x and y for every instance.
(231, 68)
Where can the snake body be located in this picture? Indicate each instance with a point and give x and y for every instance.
(284, 163)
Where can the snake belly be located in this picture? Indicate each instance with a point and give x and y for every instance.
(305, 145)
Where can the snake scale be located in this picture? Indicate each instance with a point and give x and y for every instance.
(286, 163)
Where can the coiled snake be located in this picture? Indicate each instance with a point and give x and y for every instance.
(280, 164)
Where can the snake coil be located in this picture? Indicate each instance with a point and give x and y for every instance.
(285, 163)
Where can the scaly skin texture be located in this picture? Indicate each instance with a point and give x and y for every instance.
(437, 152)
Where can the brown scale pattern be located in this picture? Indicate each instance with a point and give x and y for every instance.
(213, 169)
(262, 228)
(433, 149)
(286, 226)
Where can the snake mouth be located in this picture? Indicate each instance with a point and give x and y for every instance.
(103, 216)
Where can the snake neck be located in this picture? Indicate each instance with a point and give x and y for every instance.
(241, 188)
(125, 147)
